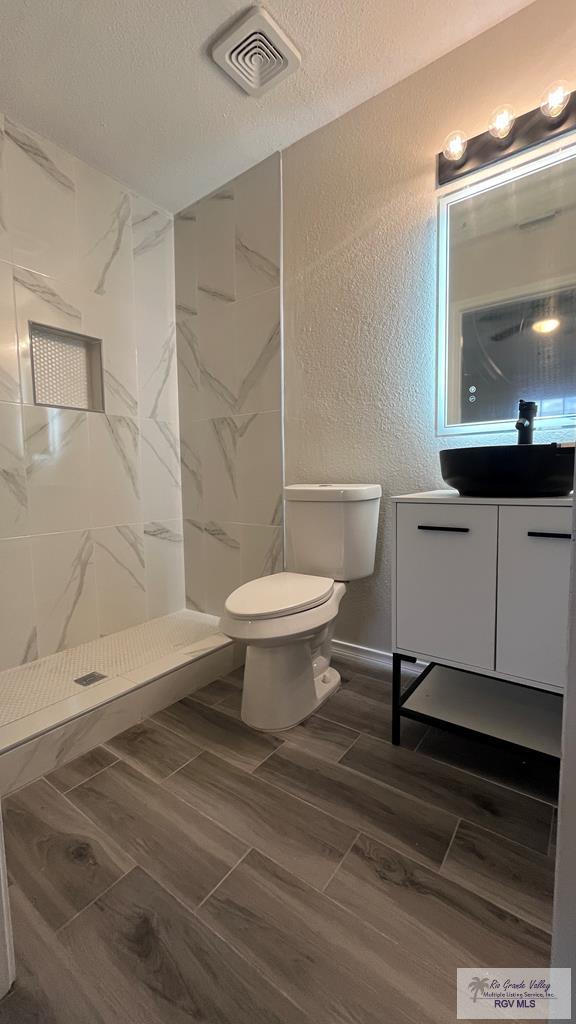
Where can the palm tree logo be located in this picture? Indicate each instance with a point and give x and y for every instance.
(478, 986)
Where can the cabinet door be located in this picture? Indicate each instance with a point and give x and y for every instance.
(533, 588)
(446, 581)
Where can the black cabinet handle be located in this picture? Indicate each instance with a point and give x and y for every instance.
(557, 536)
(446, 529)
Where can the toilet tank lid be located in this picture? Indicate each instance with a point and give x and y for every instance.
(332, 492)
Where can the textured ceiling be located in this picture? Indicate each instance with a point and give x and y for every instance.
(127, 84)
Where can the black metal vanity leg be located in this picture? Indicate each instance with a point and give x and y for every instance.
(396, 681)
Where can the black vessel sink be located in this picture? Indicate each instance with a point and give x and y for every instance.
(510, 471)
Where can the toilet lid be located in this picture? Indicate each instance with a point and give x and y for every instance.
(284, 593)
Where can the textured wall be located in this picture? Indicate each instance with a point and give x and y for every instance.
(229, 373)
(360, 265)
(90, 504)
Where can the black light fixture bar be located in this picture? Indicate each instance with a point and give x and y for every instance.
(531, 129)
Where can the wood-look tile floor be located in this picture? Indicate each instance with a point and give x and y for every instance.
(196, 872)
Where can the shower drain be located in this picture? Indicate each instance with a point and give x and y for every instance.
(89, 678)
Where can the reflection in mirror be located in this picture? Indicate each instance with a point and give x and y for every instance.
(508, 299)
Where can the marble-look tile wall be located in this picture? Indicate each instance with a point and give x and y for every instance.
(91, 537)
(228, 316)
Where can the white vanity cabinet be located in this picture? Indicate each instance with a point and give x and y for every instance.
(482, 584)
(446, 581)
(533, 585)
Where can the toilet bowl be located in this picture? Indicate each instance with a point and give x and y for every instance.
(287, 619)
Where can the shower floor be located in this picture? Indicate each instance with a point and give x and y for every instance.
(194, 870)
(43, 693)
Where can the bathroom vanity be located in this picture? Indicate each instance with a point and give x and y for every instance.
(481, 585)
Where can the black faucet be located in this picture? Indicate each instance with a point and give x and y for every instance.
(527, 411)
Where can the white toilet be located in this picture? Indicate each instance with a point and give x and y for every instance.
(287, 620)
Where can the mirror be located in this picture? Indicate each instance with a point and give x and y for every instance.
(507, 298)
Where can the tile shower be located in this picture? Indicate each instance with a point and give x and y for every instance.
(228, 303)
(90, 503)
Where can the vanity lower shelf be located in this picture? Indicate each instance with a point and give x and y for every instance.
(472, 703)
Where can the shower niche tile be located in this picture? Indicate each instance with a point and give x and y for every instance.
(66, 368)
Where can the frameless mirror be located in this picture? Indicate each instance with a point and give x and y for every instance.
(507, 298)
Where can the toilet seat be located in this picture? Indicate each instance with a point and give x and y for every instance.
(283, 593)
(282, 628)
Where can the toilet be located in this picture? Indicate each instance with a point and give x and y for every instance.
(287, 620)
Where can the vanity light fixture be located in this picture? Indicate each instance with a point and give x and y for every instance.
(502, 122)
(455, 146)
(508, 135)
(546, 326)
(555, 100)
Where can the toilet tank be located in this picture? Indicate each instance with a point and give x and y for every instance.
(331, 529)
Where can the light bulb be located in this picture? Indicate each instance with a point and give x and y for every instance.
(502, 122)
(555, 99)
(546, 326)
(455, 146)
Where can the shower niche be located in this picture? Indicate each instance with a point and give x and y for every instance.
(66, 368)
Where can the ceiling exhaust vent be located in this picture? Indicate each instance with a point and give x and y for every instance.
(256, 53)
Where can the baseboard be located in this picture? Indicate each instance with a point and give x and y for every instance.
(370, 659)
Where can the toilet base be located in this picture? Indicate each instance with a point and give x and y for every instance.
(285, 684)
